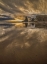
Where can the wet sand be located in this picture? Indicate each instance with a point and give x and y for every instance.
(24, 46)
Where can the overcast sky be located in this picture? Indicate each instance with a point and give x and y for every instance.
(23, 6)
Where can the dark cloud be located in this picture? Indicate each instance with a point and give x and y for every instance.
(13, 6)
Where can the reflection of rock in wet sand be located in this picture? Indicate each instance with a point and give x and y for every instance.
(24, 46)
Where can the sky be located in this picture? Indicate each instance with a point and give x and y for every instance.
(23, 6)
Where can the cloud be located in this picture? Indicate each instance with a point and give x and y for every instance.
(22, 6)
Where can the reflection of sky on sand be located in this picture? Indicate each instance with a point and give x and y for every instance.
(2, 31)
(23, 45)
(25, 37)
